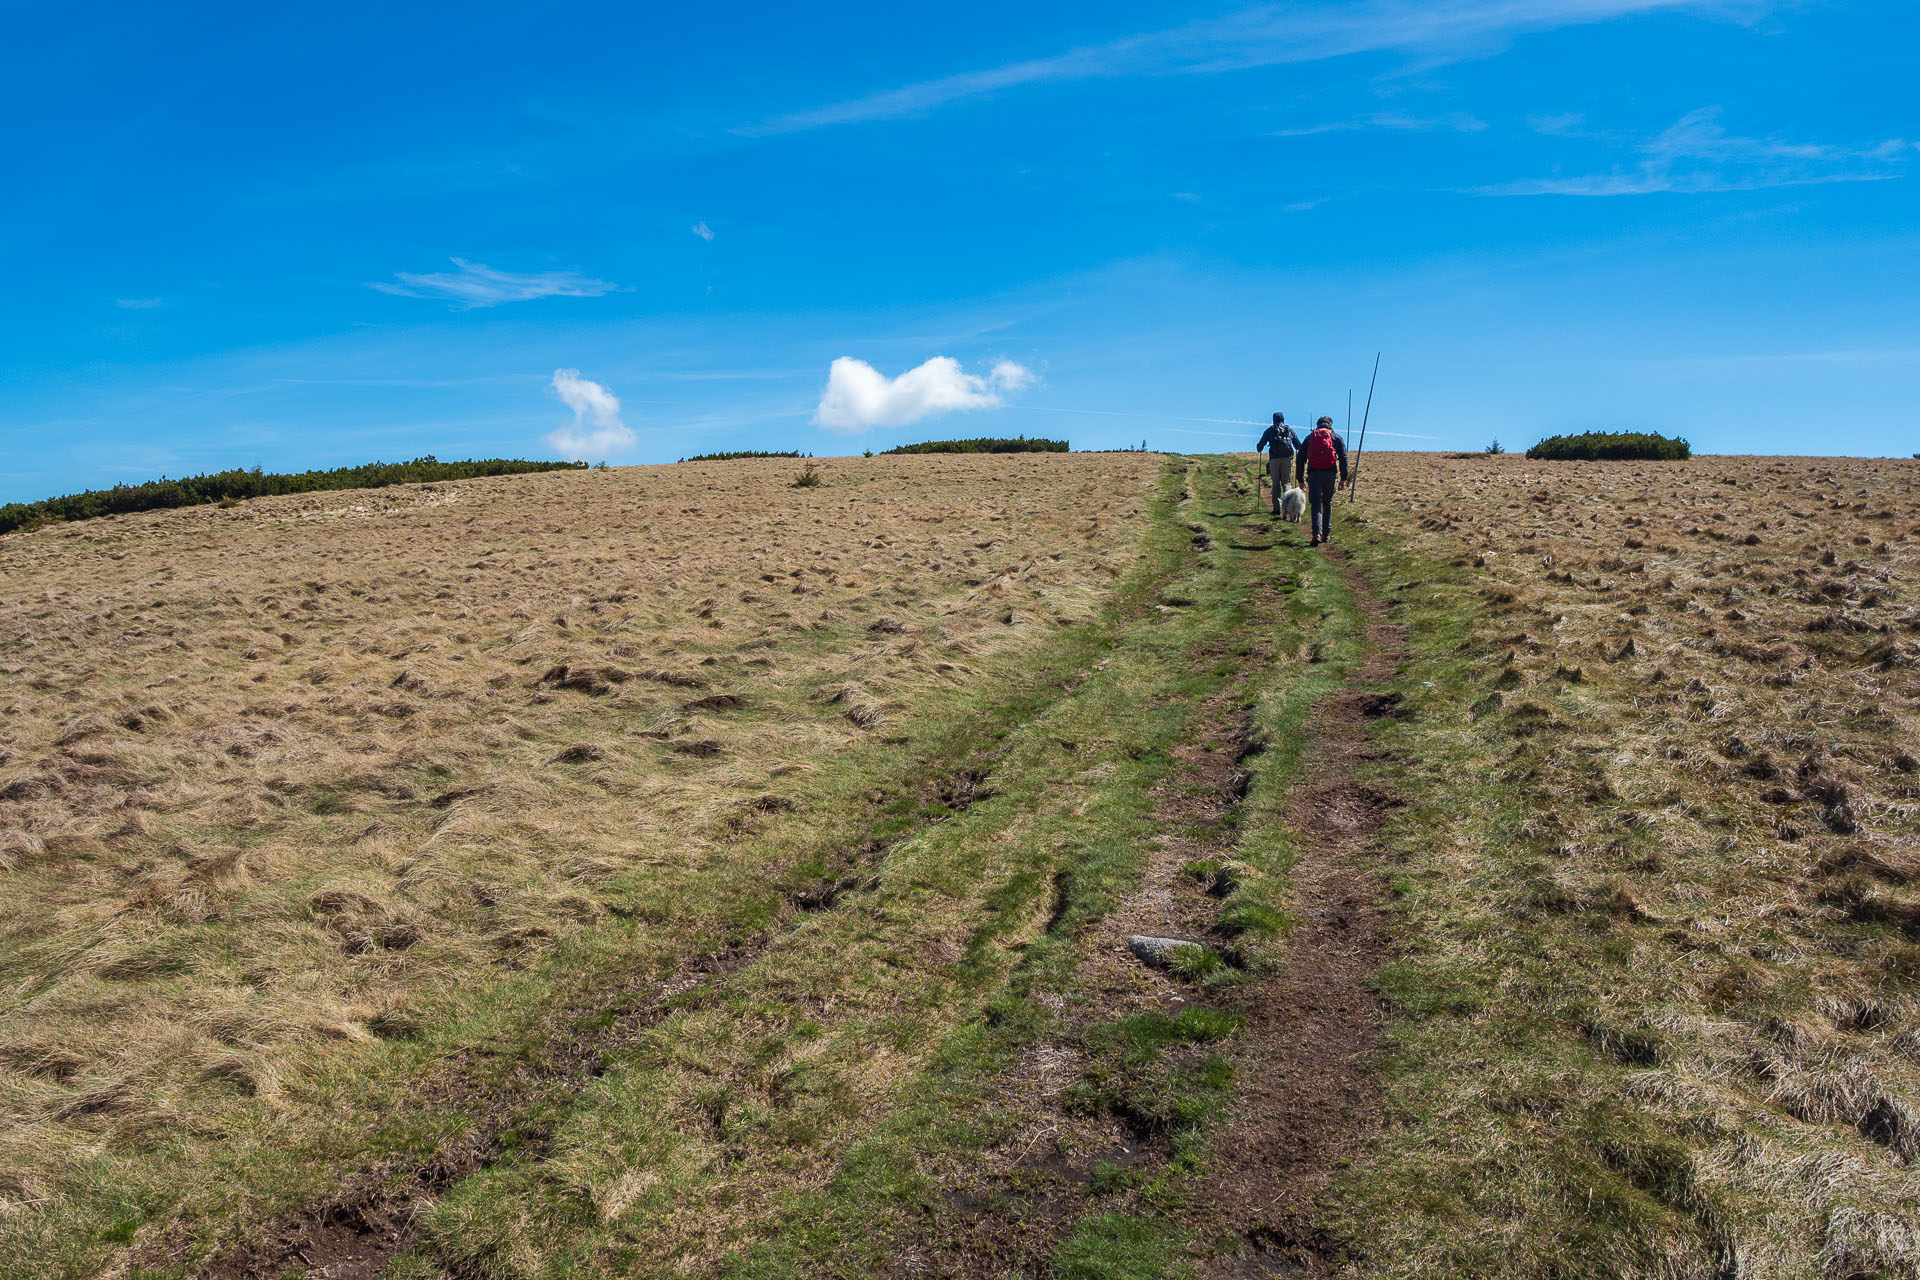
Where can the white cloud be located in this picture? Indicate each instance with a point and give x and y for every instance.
(859, 397)
(1696, 154)
(477, 285)
(1268, 35)
(596, 431)
(1009, 377)
(139, 304)
(702, 230)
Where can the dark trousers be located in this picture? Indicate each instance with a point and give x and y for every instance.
(1320, 487)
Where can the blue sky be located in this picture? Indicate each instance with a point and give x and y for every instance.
(301, 235)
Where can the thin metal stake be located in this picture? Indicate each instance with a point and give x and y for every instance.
(1353, 481)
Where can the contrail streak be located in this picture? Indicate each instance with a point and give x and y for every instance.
(1233, 422)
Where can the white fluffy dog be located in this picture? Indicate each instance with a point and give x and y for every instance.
(1293, 504)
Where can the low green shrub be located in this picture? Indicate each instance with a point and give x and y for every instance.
(231, 487)
(1613, 446)
(985, 444)
(742, 453)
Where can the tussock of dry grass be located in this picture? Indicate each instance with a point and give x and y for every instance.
(1700, 679)
(268, 774)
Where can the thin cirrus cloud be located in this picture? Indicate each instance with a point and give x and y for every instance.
(1566, 124)
(596, 432)
(702, 230)
(1454, 122)
(139, 304)
(1270, 35)
(859, 397)
(477, 285)
(1696, 155)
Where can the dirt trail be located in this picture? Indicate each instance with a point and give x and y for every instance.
(1310, 1096)
(1307, 1094)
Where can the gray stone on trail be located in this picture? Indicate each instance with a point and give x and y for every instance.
(1157, 952)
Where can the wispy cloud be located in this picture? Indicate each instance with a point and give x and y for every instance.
(1696, 154)
(477, 285)
(859, 397)
(596, 432)
(1265, 36)
(1748, 366)
(702, 230)
(1250, 423)
(1454, 122)
(1566, 124)
(139, 304)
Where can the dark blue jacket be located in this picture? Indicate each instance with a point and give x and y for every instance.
(1281, 437)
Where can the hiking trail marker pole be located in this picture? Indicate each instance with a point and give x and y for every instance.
(1353, 481)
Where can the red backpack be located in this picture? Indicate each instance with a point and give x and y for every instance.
(1320, 452)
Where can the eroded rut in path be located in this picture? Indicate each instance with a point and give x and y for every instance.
(1048, 1176)
(1309, 1094)
(1305, 1097)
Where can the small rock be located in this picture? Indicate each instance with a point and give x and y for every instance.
(1158, 952)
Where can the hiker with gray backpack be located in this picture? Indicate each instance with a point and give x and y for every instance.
(1279, 443)
(1322, 463)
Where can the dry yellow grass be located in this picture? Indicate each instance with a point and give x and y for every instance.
(1677, 712)
(271, 774)
(272, 777)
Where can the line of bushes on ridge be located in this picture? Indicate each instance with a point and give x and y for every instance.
(1613, 446)
(984, 444)
(235, 485)
(742, 453)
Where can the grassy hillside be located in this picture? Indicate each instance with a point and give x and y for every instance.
(1659, 997)
(298, 796)
(237, 485)
(668, 871)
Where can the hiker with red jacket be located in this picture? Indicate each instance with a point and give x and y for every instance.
(1322, 465)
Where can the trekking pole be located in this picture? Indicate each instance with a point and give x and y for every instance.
(1353, 481)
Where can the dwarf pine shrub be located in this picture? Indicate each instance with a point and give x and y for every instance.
(1613, 446)
(231, 487)
(985, 444)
